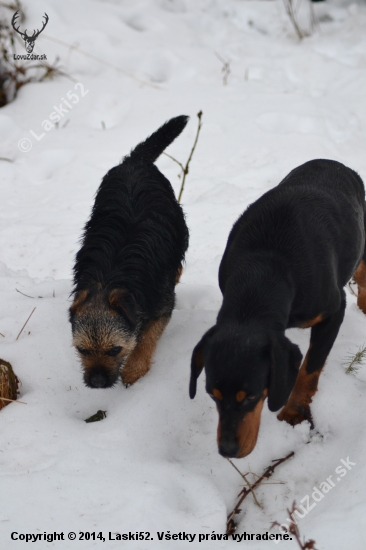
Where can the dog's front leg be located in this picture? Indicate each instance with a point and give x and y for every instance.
(323, 335)
(139, 361)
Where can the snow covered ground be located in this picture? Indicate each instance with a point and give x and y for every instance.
(152, 464)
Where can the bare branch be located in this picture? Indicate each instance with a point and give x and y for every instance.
(294, 530)
(175, 160)
(230, 523)
(247, 482)
(186, 168)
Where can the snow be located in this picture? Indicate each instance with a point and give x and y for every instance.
(152, 463)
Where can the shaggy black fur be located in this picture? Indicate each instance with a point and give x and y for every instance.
(136, 237)
(286, 262)
(130, 260)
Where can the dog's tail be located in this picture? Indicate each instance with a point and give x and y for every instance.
(150, 149)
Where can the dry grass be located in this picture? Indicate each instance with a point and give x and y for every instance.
(9, 384)
(225, 69)
(292, 9)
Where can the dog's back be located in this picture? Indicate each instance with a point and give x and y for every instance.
(313, 220)
(136, 236)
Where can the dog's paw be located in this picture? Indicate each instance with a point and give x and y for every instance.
(128, 378)
(131, 375)
(294, 415)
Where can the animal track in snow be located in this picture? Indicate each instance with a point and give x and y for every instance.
(141, 23)
(286, 123)
(177, 6)
(157, 67)
(109, 109)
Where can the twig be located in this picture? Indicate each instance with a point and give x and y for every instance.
(247, 482)
(12, 400)
(273, 482)
(225, 68)
(6, 159)
(269, 471)
(1, 334)
(230, 523)
(294, 530)
(21, 330)
(185, 169)
(292, 13)
(175, 160)
(314, 22)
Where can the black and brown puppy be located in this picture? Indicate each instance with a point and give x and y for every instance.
(131, 259)
(286, 262)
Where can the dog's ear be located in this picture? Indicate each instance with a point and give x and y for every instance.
(197, 361)
(285, 363)
(122, 301)
(80, 298)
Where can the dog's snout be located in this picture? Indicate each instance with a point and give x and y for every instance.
(98, 380)
(229, 448)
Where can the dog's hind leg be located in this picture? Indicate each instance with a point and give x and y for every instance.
(360, 278)
(139, 361)
(323, 335)
(178, 275)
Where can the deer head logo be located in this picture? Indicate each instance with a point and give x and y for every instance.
(28, 40)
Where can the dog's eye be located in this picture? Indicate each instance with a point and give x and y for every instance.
(250, 397)
(83, 351)
(114, 351)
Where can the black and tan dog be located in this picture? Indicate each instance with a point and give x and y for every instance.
(131, 259)
(286, 262)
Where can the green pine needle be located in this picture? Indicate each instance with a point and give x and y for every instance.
(354, 362)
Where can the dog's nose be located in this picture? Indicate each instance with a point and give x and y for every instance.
(229, 448)
(98, 380)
